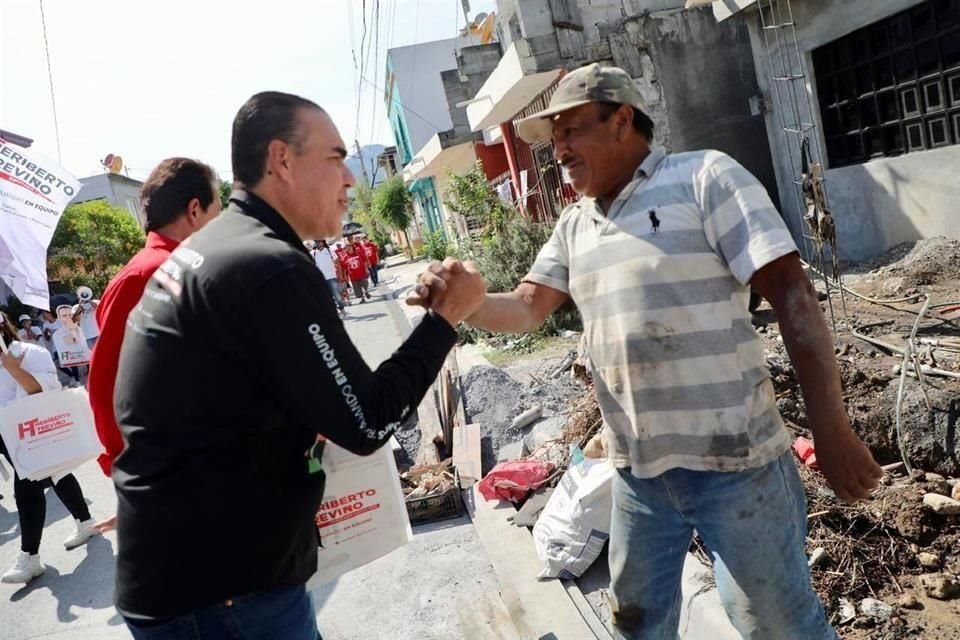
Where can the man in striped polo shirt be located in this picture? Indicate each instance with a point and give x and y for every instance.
(658, 255)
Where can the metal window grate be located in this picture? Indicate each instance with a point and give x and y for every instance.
(547, 193)
(892, 87)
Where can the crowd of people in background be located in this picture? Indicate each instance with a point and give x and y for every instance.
(67, 329)
(348, 266)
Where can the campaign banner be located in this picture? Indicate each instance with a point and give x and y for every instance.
(34, 191)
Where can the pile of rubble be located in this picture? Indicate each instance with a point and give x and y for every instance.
(874, 563)
(517, 418)
(899, 549)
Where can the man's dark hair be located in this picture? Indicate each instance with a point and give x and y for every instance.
(170, 188)
(265, 117)
(641, 121)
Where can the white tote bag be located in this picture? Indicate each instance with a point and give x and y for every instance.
(575, 524)
(49, 433)
(362, 516)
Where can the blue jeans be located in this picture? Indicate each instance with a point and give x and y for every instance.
(335, 292)
(754, 524)
(374, 276)
(285, 614)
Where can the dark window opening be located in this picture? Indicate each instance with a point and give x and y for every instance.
(892, 87)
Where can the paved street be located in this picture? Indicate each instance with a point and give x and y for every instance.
(410, 594)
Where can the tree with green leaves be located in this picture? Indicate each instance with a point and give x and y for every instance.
(391, 204)
(226, 188)
(361, 210)
(92, 242)
(472, 197)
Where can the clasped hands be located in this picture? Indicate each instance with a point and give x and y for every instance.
(451, 289)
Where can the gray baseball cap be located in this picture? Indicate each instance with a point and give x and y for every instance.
(592, 83)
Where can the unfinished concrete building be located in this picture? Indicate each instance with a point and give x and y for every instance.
(875, 86)
(696, 75)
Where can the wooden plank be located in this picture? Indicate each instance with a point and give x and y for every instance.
(460, 409)
(466, 454)
(428, 422)
(485, 617)
(541, 607)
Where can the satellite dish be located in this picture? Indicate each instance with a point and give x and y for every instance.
(116, 164)
(107, 161)
(478, 19)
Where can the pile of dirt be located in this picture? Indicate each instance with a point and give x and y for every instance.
(409, 437)
(870, 392)
(883, 548)
(493, 398)
(878, 549)
(925, 262)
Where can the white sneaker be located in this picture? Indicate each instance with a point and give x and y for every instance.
(26, 568)
(85, 531)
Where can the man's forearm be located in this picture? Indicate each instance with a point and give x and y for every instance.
(505, 313)
(810, 346)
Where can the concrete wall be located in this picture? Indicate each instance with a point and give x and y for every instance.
(474, 66)
(118, 190)
(553, 47)
(494, 158)
(697, 80)
(417, 70)
(881, 202)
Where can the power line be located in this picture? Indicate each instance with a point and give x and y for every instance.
(53, 98)
(391, 24)
(363, 34)
(353, 52)
(365, 66)
(376, 65)
(405, 108)
(416, 32)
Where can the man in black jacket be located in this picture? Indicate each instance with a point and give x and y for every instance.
(218, 414)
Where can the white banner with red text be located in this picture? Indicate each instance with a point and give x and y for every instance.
(34, 191)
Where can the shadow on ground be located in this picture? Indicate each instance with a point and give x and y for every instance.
(370, 317)
(10, 522)
(80, 588)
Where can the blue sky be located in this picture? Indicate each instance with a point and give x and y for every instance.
(152, 79)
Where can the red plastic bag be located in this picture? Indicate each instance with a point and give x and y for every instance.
(513, 480)
(805, 451)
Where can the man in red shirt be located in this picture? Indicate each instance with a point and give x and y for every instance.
(357, 270)
(178, 198)
(372, 254)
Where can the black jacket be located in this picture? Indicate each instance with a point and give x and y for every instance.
(217, 411)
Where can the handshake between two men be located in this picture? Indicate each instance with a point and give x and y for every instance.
(452, 289)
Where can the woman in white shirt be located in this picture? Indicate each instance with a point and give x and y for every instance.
(28, 332)
(26, 369)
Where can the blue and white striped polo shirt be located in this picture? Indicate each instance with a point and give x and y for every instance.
(661, 282)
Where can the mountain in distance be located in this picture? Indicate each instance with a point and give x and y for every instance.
(369, 152)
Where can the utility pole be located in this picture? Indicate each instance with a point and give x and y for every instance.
(363, 167)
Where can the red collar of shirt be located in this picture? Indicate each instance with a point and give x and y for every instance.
(159, 241)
